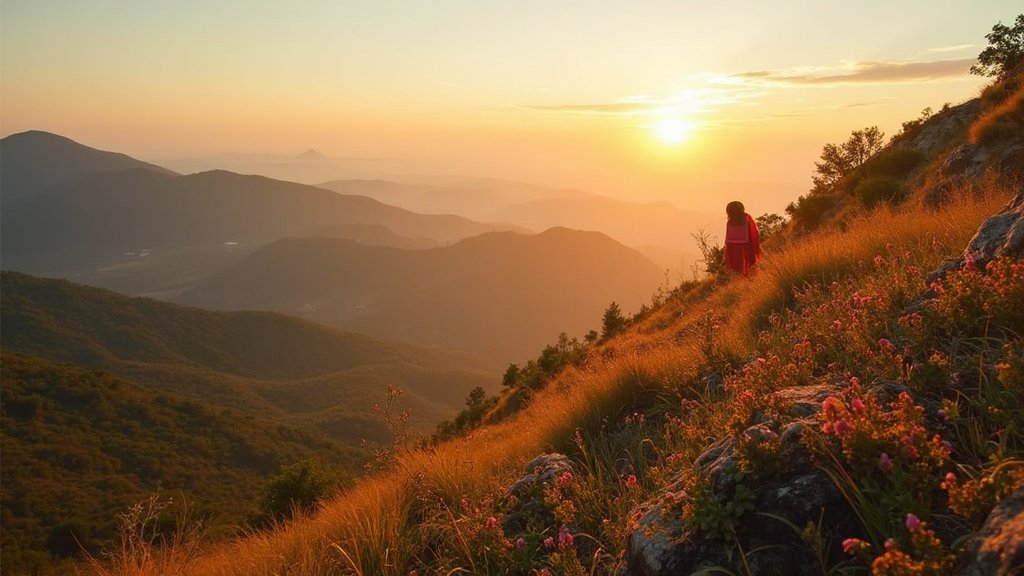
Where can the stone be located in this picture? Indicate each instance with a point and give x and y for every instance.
(998, 548)
(999, 235)
(527, 494)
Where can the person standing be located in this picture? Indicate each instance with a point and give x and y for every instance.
(742, 241)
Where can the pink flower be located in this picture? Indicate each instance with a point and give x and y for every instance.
(913, 523)
(549, 542)
(943, 416)
(885, 463)
(631, 481)
(842, 427)
(857, 405)
(852, 545)
(564, 538)
(564, 479)
(521, 543)
(492, 523)
(884, 344)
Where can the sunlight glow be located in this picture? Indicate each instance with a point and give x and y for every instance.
(672, 131)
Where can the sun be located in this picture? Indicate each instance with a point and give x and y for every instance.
(672, 131)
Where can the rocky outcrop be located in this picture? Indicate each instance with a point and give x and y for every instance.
(663, 543)
(1000, 235)
(526, 496)
(998, 548)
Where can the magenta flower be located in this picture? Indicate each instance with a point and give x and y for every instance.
(885, 463)
(521, 543)
(631, 481)
(913, 523)
(549, 542)
(564, 538)
(857, 405)
(842, 427)
(884, 344)
(492, 523)
(943, 416)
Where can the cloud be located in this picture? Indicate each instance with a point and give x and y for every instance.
(954, 48)
(616, 108)
(887, 72)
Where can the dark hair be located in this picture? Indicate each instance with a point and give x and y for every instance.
(736, 212)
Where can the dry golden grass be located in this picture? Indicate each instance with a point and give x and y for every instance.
(1003, 121)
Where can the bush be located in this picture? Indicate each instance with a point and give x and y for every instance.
(298, 488)
(893, 162)
(875, 189)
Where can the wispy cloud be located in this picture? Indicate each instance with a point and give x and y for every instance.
(886, 72)
(953, 48)
(615, 108)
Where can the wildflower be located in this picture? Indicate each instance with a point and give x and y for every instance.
(521, 543)
(884, 344)
(631, 482)
(854, 545)
(885, 463)
(549, 543)
(841, 427)
(857, 405)
(879, 261)
(854, 382)
(913, 522)
(943, 416)
(837, 324)
(949, 482)
(564, 538)
(492, 523)
(564, 479)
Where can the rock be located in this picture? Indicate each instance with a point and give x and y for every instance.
(999, 235)
(966, 160)
(998, 548)
(527, 494)
(662, 543)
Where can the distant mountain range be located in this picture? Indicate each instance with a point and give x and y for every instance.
(105, 219)
(500, 296)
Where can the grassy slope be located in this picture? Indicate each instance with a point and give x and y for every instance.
(382, 525)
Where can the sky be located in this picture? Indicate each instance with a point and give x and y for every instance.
(688, 101)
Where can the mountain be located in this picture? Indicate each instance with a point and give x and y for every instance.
(31, 162)
(147, 231)
(501, 296)
(661, 229)
(277, 367)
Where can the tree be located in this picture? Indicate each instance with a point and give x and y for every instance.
(839, 160)
(769, 225)
(1005, 50)
(613, 321)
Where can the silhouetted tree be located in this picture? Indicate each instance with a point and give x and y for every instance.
(769, 225)
(1005, 50)
(613, 321)
(838, 160)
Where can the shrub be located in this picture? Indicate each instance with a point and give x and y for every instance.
(875, 189)
(894, 162)
(298, 488)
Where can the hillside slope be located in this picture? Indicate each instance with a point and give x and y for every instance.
(262, 363)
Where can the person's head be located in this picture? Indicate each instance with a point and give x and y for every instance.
(736, 212)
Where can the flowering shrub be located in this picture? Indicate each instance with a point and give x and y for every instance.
(973, 499)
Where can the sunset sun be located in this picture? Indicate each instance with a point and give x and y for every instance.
(672, 131)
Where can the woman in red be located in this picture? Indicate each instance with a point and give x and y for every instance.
(742, 244)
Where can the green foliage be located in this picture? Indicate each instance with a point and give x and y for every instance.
(769, 226)
(894, 162)
(876, 189)
(837, 161)
(120, 441)
(1005, 50)
(297, 489)
(809, 210)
